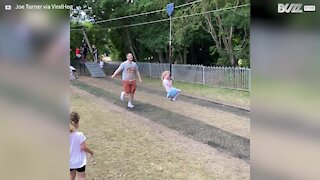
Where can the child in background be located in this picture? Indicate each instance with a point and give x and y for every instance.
(78, 53)
(78, 149)
(101, 64)
(172, 92)
(73, 74)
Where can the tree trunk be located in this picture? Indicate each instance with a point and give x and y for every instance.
(130, 44)
(222, 41)
(210, 29)
(135, 50)
(180, 59)
(192, 54)
(160, 55)
(167, 58)
(227, 40)
(185, 52)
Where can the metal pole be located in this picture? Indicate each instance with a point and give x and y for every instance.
(88, 43)
(170, 49)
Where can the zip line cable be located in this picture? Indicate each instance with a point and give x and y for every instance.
(145, 13)
(187, 4)
(125, 17)
(179, 17)
(139, 24)
(212, 11)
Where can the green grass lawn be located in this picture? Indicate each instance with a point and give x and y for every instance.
(124, 150)
(228, 96)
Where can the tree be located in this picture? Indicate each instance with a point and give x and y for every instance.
(223, 25)
(216, 38)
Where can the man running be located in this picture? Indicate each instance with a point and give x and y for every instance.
(129, 72)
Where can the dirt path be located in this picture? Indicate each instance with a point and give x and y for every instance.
(220, 119)
(228, 142)
(130, 146)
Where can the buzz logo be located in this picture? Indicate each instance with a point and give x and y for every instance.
(290, 8)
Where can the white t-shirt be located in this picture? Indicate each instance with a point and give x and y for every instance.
(167, 84)
(77, 157)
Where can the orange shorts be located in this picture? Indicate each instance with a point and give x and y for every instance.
(129, 86)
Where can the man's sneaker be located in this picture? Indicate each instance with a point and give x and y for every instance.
(130, 105)
(122, 96)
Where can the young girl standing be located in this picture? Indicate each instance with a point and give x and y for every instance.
(78, 149)
(172, 92)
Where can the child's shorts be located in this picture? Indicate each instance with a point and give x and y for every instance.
(82, 169)
(173, 93)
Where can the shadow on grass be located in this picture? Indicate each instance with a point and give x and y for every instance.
(230, 143)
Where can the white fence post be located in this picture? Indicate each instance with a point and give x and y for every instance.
(203, 76)
(149, 69)
(172, 70)
(249, 80)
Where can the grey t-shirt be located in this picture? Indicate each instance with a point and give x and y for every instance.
(128, 70)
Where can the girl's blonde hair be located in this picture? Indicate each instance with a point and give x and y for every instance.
(164, 74)
(74, 119)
